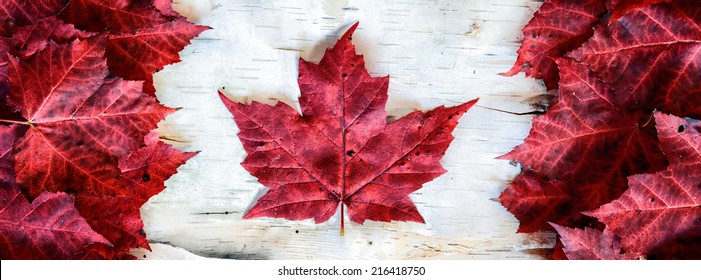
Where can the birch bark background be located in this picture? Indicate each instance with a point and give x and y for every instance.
(435, 52)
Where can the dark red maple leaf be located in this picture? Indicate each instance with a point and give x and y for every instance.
(340, 150)
(684, 248)
(644, 55)
(118, 16)
(651, 61)
(591, 244)
(621, 7)
(145, 35)
(585, 142)
(557, 27)
(559, 251)
(535, 201)
(135, 56)
(663, 206)
(5, 112)
(7, 160)
(144, 171)
(23, 12)
(28, 40)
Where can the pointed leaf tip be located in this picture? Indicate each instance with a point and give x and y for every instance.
(342, 150)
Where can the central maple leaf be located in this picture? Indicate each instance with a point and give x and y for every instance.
(341, 150)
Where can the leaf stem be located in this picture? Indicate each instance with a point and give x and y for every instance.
(649, 120)
(16, 122)
(513, 113)
(342, 226)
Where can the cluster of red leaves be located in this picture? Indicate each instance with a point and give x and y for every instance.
(619, 67)
(77, 106)
(340, 150)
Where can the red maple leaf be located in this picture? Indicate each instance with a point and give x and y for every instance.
(651, 61)
(340, 150)
(144, 171)
(145, 35)
(48, 228)
(586, 143)
(74, 128)
(557, 27)
(119, 16)
(79, 120)
(591, 244)
(663, 206)
(535, 201)
(643, 56)
(23, 12)
(5, 112)
(28, 40)
(163, 6)
(135, 56)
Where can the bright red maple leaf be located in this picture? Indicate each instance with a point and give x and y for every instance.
(340, 150)
(587, 143)
(651, 61)
(663, 206)
(557, 27)
(80, 121)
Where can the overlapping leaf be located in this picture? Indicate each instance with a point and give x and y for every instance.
(145, 35)
(23, 12)
(48, 228)
(591, 244)
(585, 143)
(118, 16)
(28, 40)
(135, 56)
(340, 150)
(81, 120)
(643, 57)
(663, 206)
(650, 60)
(621, 7)
(535, 201)
(557, 27)
(68, 126)
(143, 173)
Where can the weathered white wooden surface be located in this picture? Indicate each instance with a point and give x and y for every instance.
(436, 53)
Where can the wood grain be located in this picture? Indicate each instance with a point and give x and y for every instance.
(435, 52)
